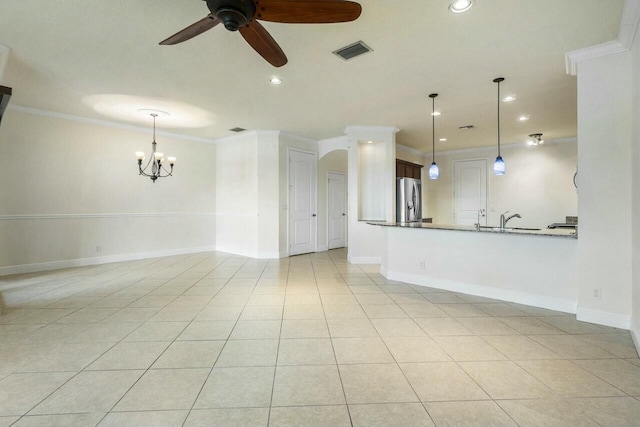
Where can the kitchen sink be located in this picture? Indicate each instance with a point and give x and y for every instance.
(486, 227)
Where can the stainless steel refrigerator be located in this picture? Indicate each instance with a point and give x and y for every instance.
(408, 200)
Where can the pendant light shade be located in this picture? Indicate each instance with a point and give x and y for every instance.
(499, 167)
(434, 171)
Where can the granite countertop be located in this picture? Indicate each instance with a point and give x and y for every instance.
(544, 232)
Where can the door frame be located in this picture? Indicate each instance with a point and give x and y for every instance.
(315, 226)
(453, 188)
(346, 200)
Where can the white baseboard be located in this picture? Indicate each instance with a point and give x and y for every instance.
(364, 260)
(81, 262)
(635, 335)
(605, 318)
(541, 301)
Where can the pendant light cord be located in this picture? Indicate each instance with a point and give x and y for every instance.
(433, 128)
(498, 118)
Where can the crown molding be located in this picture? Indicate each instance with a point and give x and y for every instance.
(573, 58)
(377, 129)
(485, 148)
(104, 123)
(624, 41)
(298, 137)
(410, 150)
(4, 56)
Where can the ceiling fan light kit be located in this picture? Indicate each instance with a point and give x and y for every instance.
(243, 16)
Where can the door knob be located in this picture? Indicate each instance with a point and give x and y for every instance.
(313, 215)
(344, 214)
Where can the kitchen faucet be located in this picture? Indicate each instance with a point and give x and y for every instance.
(481, 213)
(504, 220)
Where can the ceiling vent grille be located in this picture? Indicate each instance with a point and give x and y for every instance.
(236, 129)
(353, 50)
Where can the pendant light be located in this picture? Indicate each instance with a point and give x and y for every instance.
(499, 168)
(434, 171)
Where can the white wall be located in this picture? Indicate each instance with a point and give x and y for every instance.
(236, 194)
(538, 184)
(604, 154)
(268, 194)
(71, 194)
(336, 161)
(366, 241)
(477, 263)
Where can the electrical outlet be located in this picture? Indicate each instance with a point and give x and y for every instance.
(422, 264)
(597, 293)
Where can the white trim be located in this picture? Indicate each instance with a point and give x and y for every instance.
(298, 137)
(284, 254)
(541, 301)
(38, 217)
(81, 262)
(507, 146)
(327, 146)
(635, 336)
(381, 129)
(322, 248)
(629, 23)
(606, 318)
(410, 150)
(105, 123)
(626, 35)
(4, 57)
(573, 58)
(364, 260)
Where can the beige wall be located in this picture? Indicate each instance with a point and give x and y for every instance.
(71, 191)
(635, 319)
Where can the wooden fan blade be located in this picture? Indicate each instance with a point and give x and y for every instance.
(307, 11)
(192, 30)
(259, 39)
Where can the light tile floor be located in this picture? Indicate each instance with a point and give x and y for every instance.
(215, 339)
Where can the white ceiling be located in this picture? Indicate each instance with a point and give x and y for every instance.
(64, 52)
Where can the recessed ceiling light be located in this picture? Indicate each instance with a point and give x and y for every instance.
(460, 6)
(275, 80)
(436, 113)
(369, 142)
(523, 118)
(509, 98)
(443, 139)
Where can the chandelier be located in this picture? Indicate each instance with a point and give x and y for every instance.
(154, 168)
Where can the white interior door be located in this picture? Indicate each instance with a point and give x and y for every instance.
(302, 202)
(469, 191)
(336, 210)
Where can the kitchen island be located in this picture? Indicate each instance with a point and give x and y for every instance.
(533, 267)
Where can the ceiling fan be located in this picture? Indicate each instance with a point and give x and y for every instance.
(243, 16)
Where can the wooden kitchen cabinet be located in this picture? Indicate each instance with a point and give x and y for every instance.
(406, 169)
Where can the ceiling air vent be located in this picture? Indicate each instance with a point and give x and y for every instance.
(467, 127)
(236, 129)
(353, 50)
